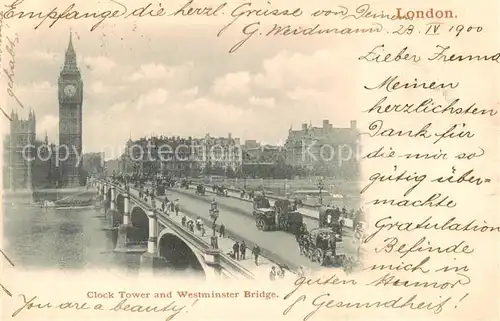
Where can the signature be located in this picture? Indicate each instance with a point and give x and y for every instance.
(329, 301)
(361, 12)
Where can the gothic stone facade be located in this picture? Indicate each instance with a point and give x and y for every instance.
(70, 119)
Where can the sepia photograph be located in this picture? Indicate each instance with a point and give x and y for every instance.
(156, 157)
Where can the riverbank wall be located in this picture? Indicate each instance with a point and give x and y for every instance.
(52, 195)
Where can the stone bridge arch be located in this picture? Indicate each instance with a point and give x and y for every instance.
(139, 220)
(120, 202)
(180, 254)
(118, 194)
(108, 193)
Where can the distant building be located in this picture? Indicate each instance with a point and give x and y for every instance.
(262, 154)
(111, 166)
(93, 163)
(179, 156)
(166, 155)
(249, 144)
(45, 171)
(18, 170)
(126, 160)
(28, 163)
(219, 152)
(319, 148)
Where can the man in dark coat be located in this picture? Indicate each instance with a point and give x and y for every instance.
(222, 230)
(256, 253)
(236, 250)
(243, 249)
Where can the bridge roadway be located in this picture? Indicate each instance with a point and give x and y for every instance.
(237, 218)
(261, 271)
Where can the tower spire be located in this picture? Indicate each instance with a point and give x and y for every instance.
(70, 66)
(70, 44)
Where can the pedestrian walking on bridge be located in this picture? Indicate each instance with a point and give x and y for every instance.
(243, 249)
(281, 272)
(272, 274)
(300, 272)
(236, 250)
(222, 230)
(176, 207)
(256, 253)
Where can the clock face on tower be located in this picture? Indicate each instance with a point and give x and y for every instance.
(69, 90)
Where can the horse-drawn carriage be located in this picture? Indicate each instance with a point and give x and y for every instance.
(169, 182)
(287, 217)
(220, 190)
(200, 190)
(160, 189)
(322, 245)
(184, 184)
(260, 201)
(330, 217)
(282, 216)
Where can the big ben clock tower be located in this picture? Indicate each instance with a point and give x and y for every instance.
(70, 119)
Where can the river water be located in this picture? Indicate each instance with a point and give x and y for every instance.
(71, 239)
(48, 238)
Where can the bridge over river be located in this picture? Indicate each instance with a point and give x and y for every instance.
(140, 222)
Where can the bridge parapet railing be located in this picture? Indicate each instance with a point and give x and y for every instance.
(238, 191)
(270, 194)
(194, 239)
(312, 211)
(133, 243)
(309, 207)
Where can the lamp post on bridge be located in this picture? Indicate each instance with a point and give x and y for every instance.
(321, 186)
(153, 200)
(214, 215)
(112, 200)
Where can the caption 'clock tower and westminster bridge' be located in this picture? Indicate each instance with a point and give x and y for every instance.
(43, 171)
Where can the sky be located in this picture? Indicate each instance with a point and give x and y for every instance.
(149, 76)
